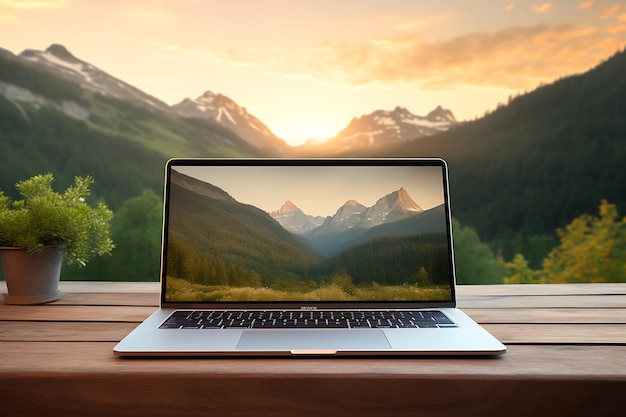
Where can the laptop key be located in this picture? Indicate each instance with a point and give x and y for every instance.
(184, 319)
(238, 324)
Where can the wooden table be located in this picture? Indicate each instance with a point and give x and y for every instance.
(566, 356)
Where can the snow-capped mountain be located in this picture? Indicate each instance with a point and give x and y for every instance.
(227, 113)
(353, 221)
(59, 60)
(383, 128)
(374, 131)
(394, 206)
(390, 208)
(214, 107)
(295, 220)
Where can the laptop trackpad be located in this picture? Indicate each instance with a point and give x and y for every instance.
(312, 340)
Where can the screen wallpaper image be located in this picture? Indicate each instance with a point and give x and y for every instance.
(304, 233)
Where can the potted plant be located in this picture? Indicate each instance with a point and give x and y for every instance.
(44, 227)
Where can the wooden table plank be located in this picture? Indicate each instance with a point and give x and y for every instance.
(590, 334)
(309, 395)
(540, 361)
(566, 354)
(541, 301)
(21, 331)
(573, 334)
(541, 289)
(105, 299)
(549, 315)
(481, 315)
(469, 297)
(77, 313)
(260, 396)
(109, 299)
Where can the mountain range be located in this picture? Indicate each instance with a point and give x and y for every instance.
(57, 59)
(241, 235)
(216, 240)
(382, 128)
(392, 207)
(353, 222)
(51, 100)
(223, 110)
(295, 220)
(518, 173)
(395, 214)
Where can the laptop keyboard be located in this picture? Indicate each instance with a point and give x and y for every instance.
(298, 319)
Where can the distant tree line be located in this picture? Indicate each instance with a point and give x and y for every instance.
(136, 233)
(45, 142)
(395, 261)
(421, 260)
(591, 249)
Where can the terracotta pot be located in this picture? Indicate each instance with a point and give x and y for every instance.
(31, 279)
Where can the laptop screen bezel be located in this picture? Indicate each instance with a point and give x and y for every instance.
(298, 305)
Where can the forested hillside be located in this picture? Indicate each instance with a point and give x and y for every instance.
(51, 124)
(517, 174)
(538, 162)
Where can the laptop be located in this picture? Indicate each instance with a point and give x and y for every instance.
(307, 257)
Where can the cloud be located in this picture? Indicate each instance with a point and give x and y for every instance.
(422, 23)
(609, 10)
(513, 58)
(146, 16)
(542, 8)
(619, 27)
(585, 5)
(204, 54)
(9, 17)
(33, 4)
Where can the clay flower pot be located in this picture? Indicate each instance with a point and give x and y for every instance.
(31, 278)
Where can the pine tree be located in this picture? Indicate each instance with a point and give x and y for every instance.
(421, 278)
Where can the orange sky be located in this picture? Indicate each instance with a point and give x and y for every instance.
(305, 68)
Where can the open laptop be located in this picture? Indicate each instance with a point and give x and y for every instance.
(284, 257)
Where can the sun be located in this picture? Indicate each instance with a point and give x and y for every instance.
(298, 133)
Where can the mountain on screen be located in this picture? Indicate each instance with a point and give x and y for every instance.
(355, 223)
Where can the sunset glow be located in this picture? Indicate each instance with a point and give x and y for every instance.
(307, 68)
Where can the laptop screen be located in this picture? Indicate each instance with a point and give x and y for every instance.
(307, 231)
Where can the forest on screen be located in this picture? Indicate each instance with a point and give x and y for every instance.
(223, 250)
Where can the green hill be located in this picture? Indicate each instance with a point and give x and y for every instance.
(213, 238)
(49, 123)
(538, 162)
(518, 173)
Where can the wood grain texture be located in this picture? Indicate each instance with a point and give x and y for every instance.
(567, 354)
(524, 361)
(311, 396)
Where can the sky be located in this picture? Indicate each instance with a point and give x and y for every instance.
(306, 68)
(321, 190)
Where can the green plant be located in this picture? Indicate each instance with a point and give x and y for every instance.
(44, 218)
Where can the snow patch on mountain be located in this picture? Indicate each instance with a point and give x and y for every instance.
(383, 128)
(352, 214)
(223, 110)
(295, 220)
(58, 59)
(16, 95)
